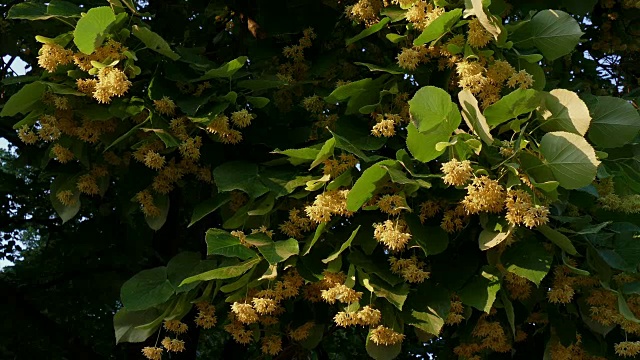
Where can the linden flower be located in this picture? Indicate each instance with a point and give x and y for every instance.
(456, 173)
(111, 82)
(522, 78)
(301, 332)
(87, 185)
(345, 319)
(154, 160)
(176, 326)
(341, 293)
(429, 209)
(242, 118)
(384, 128)
(409, 58)
(271, 345)
(53, 55)
(174, 345)
(244, 313)
(392, 234)
(627, 348)
(264, 306)
(364, 11)
(27, 136)
(165, 106)
(478, 36)
(66, 197)
(383, 335)
(87, 86)
(393, 204)
(62, 154)
(146, 202)
(329, 203)
(410, 269)
(206, 317)
(152, 353)
(313, 104)
(368, 316)
(484, 195)
(238, 332)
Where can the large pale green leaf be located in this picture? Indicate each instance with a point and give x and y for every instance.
(92, 28)
(24, 100)
(63, 183)
(473, 116)
(220, 242)
(512, 105)
(36, 11)
(325, 152)
(367, 184)
(428, 308)
(438, 27)
(481, 292)
(126, 325)
(369, 31)
(382, 352)
(156, 222)
(615, 122)
(396, 295)
(422, 145)
(554, 32)
(342, 248)
(239, 175)
(393, 69)
(571, 159)
(226, 272)
(489, 22)
(154, 41)
(279, 251)
(558, 238)
(225, 71)
(430, 106)
(563, 110)
(146, 289)
(180, 267)
(529, 259)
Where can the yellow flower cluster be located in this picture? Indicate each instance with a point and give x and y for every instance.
(165, 106)
(145, 199)
(487, 83)
(422, 13)
(604, 309)
(629, 204)
(174, 345)
(518, 286)
(383, 335)
(176, 326)
(62, 154)
(297, 224)
(364, 11)
(49, 130)
(271, 345)
(314, 104)
(27, 136)
(454, 219)
(455, 312)
(238, 332)
(111, 82)
(521, 211)
(51, 56)
(153, 160)
(484, 195)
(562, 289)
(478, 36)
(411, 269)
(302, 332)
(367, 316)
(220, 126)
(488, 335)
(341, 293)
(385, 125)
(296, 68)
(327, 204)
(522, 79)
(242, 118)
(335, 167)
(110, 51)
(190, 148)
(66, 197)
(627, 348)
(456, 173)
(429, 209)
(245, 313)
(313, 291)
(392, 233)
(410, 58)
(393, 204)
(88, 185)
(206, 317)
(152, 353)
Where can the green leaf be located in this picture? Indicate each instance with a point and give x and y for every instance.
(529, 259)
(473, 116)
(63, 9)
(482, 290)
(431, 106)
(490, 23)
(225, 71)
(625, 311)
(563, 110)
(438, 27)
(316, 236)
(395, 70)
(396, 295)
(615, 122)
(422, 145)
(344, 247)
(239, 175)
(180, 267)
(348, 90)
(300, 156)
(432, 240)
(63, 183)
(429, 307)
(314, 338)
(92, 28)
(367, 184)
(508, 308)
(258, 85)
(220, 242)
(208, 206)
(146, 289)
(156, 222)
(570, 158)
(325, 152)
(554, 32)
(24, 100)
(395, 38)
(489, 238)
(126, 323)
(344, 144)
(369, 31)
(238, 284)
(279, 251)
(154, 42)
(257, 101)
(512, 105)
(35, 11)
(226, 272)
(558, 238)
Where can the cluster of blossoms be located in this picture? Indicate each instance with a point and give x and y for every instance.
(411, 269)
(386, 125)
(456, 173)
(327, 204)
(394, 234)
(521, 211)
(335, 167)
(367, 316)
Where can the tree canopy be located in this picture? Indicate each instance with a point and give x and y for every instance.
(320, 179)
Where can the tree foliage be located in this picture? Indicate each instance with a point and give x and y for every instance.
(384, 179)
